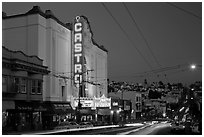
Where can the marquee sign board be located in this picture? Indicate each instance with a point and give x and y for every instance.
(93, 103)
(78, 50)
(88, 103)
(102, 102)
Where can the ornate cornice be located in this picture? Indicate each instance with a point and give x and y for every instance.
(37, 10)
(92, 39)
(9, 60)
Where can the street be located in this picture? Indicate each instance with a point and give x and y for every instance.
(138, 129)
(155, 129)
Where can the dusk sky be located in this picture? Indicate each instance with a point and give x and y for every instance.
(139, 37)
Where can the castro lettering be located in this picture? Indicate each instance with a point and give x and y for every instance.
(78, 51)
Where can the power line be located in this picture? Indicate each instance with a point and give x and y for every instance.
(146, 42)
(106, 8)
(146, 73)
(184, 10)
(72, 78)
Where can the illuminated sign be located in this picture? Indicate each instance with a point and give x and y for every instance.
(92, 103)
(85, 103)
(103, 102)
(115, 103)
(78, 51)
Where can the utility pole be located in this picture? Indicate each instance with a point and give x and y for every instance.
(79, 103)
(122, 103)
(81, 91)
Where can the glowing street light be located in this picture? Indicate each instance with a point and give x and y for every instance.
(193, 66)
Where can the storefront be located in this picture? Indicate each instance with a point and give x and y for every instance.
(87, 114)
(93, 109)
(127, 110)
(25, 116)
(87, 111)
(115, 111)
(103, 108)
(56, 112)
(7, 118)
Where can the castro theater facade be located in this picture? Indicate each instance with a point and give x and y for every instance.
(90, 74)
(75, 61)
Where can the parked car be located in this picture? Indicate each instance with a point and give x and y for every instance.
(105, 123)
(67, 125)
(177, 127)
(155, 122)
(97, 123)
(85, 124)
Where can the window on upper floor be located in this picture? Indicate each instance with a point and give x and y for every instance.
(36, 86)
(33, 86)
(137, 99)
(20, 84)
(16, 82)
(63, 91)
(4, 83)
(23, 84)
(39, 87)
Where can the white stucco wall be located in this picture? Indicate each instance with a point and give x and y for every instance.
(50, 41)
(97, 61)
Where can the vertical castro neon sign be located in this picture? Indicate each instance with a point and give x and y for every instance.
(78, 51)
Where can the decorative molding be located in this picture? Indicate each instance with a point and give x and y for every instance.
(37, 10)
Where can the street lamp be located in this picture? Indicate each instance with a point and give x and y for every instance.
(122, 90)
(193, 67)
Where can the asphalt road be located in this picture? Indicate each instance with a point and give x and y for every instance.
(145, 129)
(156, 129)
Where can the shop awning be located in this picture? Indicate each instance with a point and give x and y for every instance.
(8, 105)
(103, 112)
(87, 111)
(29, 106)
(59, 107)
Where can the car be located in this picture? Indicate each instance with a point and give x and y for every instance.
(105, 123)
(164, 122)
(67, 125)
(85, 124)
(155, 122)
(97, 123)
(177, 127)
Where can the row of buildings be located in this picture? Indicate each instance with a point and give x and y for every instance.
(149, 101)
(53, 71)
(48, 67)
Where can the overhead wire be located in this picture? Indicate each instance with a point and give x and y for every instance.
(142, 74)
(184, 10)
(138, 28)
(72, 78)
(125, 33)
